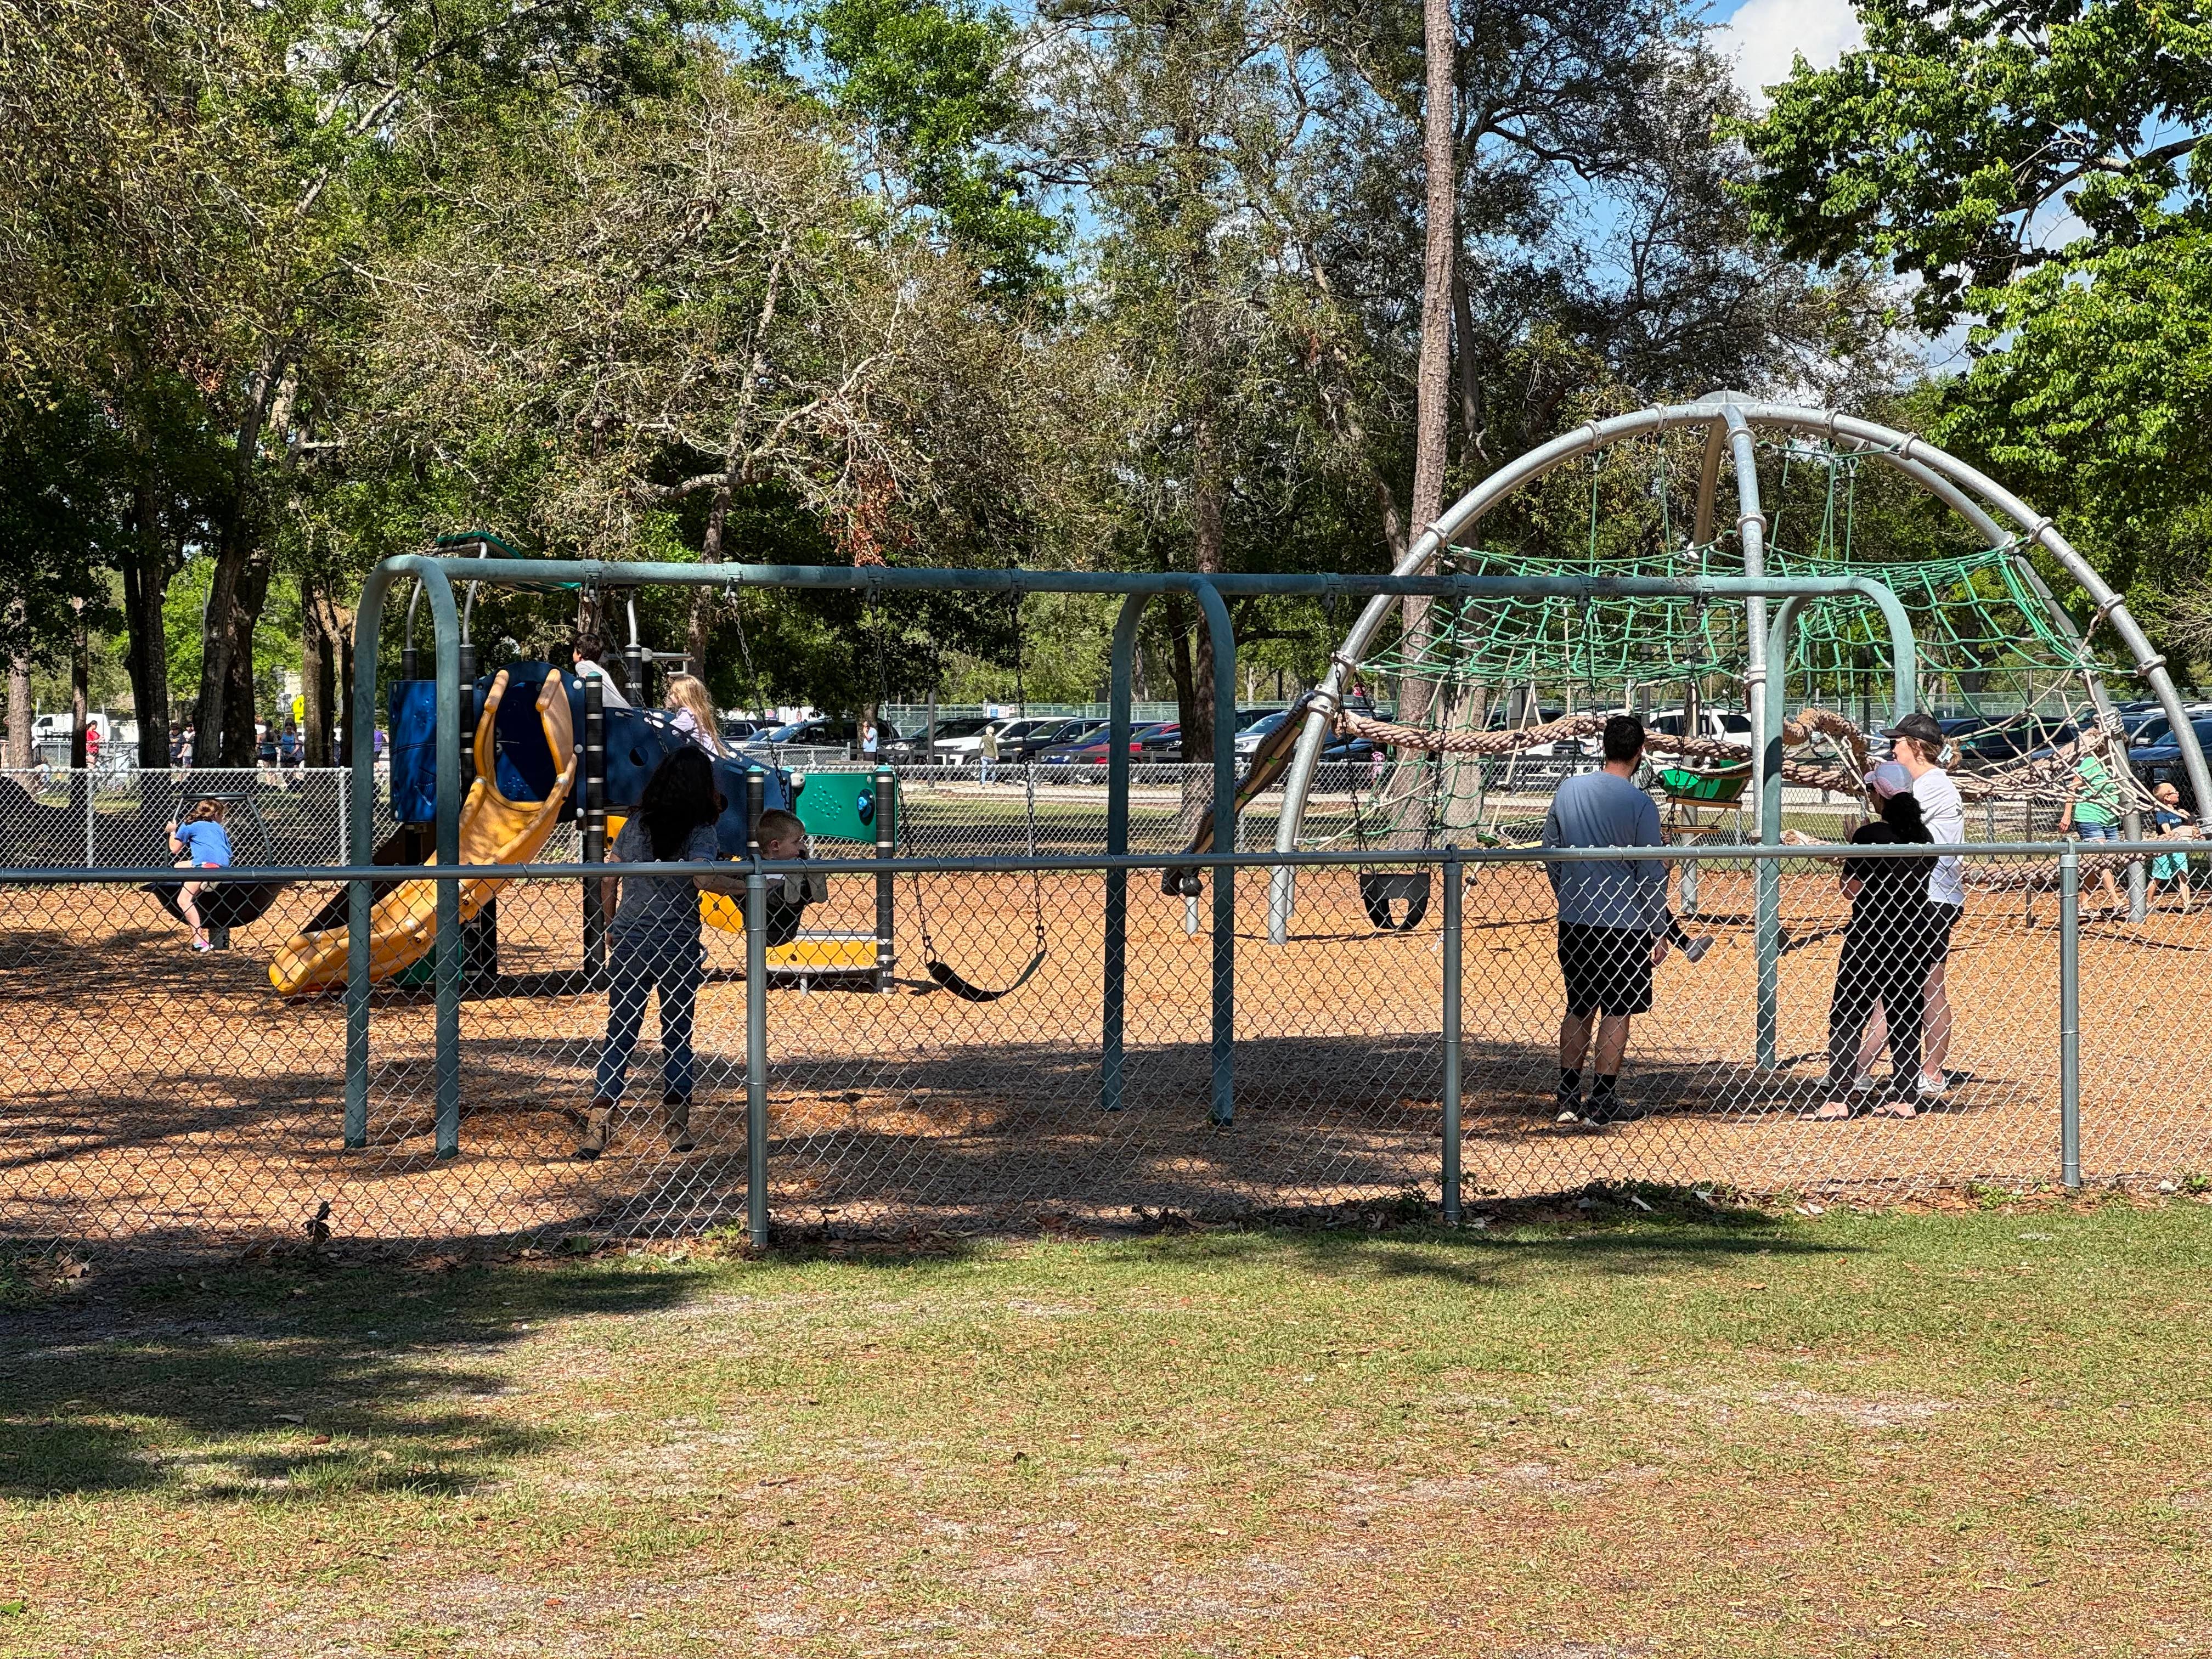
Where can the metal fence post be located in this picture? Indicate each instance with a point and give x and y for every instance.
(1453, 886)
(2069, 1015)
(756, 1055)
(887, 886)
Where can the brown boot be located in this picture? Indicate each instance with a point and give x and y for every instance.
(679, 1121)
(596, 1125)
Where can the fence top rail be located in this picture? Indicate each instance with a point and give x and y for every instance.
(547, 574)
(1022, 864)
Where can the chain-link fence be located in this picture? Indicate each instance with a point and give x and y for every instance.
(160, 1098)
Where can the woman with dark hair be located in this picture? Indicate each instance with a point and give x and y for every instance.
(1892, 938)
(653, 942)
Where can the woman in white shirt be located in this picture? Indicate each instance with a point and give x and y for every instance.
(1920, 744)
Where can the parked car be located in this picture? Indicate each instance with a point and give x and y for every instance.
(824, 731)
(737, 732)
(1042, 733)
(2156, 758)
(1090, 749)
(2013, 740)
(1729, 725)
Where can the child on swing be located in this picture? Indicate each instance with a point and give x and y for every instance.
(203, 844)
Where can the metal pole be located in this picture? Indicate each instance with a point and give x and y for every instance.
(451, 950)
(595, 823)
(756, 1055)
(1113, 966)
(91, 822)
(887, 886)
(1453, 888)
(1216, 612)
(1751, 533)
(2069, 1015)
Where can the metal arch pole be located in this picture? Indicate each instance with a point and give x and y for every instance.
(1223, 1109)
(1298, 781)
(451, 950)
(1751, 534)
(1904, 667)
(446, 622)
(1113, 1007)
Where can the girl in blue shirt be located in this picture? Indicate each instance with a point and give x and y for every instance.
(204, 845)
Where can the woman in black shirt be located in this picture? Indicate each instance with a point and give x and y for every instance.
(1887, 949)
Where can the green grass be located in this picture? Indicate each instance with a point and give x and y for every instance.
(1984, 1432)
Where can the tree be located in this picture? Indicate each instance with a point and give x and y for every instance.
(2033, 172)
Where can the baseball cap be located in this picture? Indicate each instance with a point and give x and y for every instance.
(1917, 725)
(1889, 779)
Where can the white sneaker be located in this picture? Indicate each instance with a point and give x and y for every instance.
(1929, 1088)
(1696, 949)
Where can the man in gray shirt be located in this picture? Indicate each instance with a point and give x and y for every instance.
(1613, 920)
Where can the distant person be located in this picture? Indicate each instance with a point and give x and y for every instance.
(1884, 960)
(1919, 749)
(2173, 824)
(91, 744)
(988, 752)
(187, 746)
(868, 741)
(176, 746)
(199, 843)
(288, 749)
(1613, 920)
(695, 713)
(2092, 814)
(652, 941)
(588, 653)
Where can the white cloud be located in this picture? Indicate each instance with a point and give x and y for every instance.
(1765, 36)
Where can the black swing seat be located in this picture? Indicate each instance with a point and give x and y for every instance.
(1380, 889)
(944, 975)
(226, 904)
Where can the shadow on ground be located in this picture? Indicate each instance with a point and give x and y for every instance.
(270, 1382)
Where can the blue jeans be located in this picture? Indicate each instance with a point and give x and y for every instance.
(636, 967)
(2096, 832)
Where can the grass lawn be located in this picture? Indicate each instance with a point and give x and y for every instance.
(1679, 1432)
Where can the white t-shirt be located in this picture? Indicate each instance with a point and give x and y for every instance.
(1945, 815)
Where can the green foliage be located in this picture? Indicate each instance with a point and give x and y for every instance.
(2035, 172)
(931, 88)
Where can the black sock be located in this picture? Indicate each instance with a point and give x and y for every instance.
(1570, 1082)
(1604, 1084)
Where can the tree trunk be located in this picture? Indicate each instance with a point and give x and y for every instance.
(1432, 386)
(1209, 547)
(1471, 419)
(322, 634)
(20, 713)
(145, 597)
(234, 592)
(80, 689)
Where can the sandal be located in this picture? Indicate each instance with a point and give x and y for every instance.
(1897, 1108)
(1835, 1111)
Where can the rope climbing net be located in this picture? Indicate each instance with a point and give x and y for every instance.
(1493, 676)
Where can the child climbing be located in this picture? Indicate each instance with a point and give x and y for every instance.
(204, 845)
(653, 942)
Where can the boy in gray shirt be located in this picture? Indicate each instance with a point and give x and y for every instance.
(1613, 920)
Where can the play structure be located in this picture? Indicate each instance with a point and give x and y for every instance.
(1484, 680)
(547, 749)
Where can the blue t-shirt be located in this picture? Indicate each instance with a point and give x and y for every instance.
(659, 908)
(205, 842)
(1602, 809)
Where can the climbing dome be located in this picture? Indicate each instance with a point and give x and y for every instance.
(1727, 487)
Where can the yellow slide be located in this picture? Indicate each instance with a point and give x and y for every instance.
(404, 924)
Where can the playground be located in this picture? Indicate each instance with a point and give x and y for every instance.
(969, 1029)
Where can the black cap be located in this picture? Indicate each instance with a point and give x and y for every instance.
(1920, 727)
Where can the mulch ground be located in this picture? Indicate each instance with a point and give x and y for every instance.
(158, 1098)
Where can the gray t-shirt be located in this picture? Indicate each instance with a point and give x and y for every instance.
(1602, 809)
(665, 907)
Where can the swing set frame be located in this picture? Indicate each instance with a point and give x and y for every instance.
(437, 575)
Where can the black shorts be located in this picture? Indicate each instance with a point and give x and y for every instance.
(1942, 919)
(1608, 970)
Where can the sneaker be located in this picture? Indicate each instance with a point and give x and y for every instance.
(1612, 1108)
(1571, 1105)
(1694, 952)
(202, 945)
(1929, 1088)
(596, 1124)
(678, 1108)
